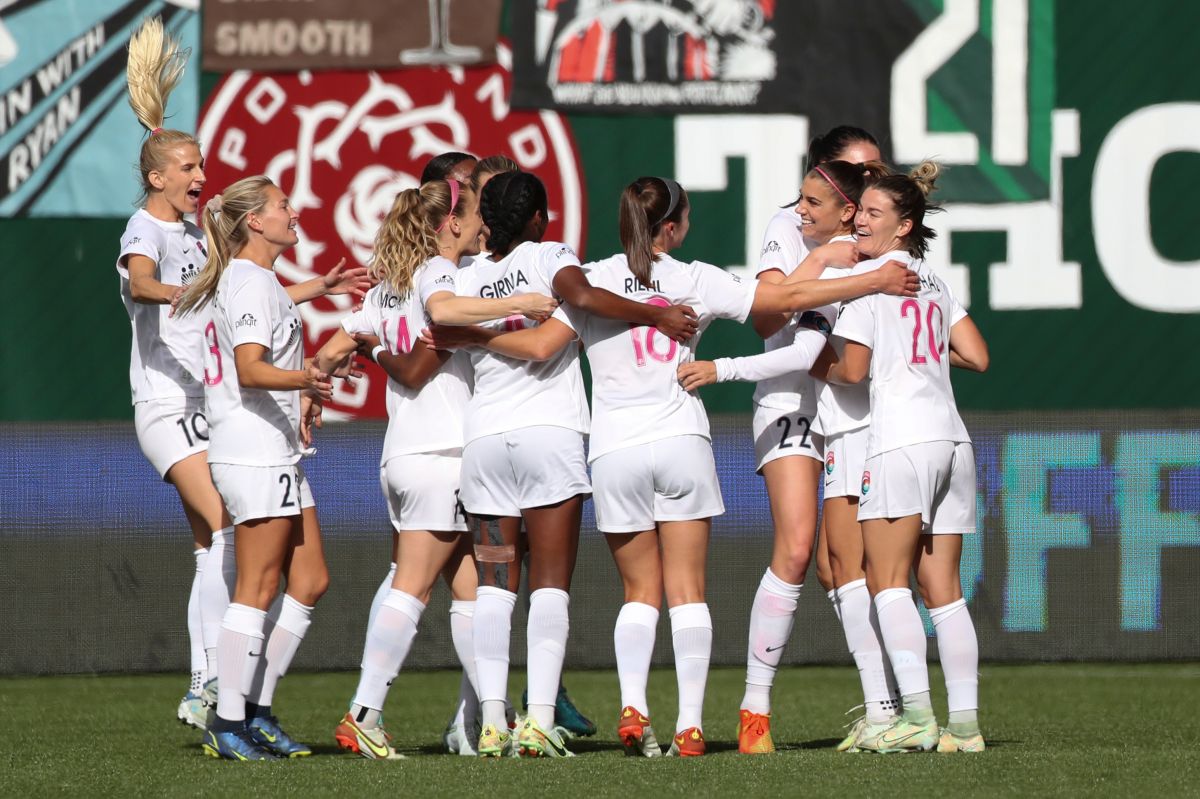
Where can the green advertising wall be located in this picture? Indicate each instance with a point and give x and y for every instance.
(1115, 331)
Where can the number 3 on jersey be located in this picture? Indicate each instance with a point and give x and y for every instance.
(931, 327)
(643, 339)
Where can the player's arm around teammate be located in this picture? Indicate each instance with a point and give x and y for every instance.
(254, 451)
(160, 254)
(918, 485)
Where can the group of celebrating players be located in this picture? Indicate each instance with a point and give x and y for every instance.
(479, 325)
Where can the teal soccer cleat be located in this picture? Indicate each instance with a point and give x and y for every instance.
(266, 732)
(234, 745)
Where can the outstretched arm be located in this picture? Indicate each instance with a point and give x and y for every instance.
(891, 278)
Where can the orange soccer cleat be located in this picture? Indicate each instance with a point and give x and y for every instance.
(754, 733)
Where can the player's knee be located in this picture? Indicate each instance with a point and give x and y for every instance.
(309, 588)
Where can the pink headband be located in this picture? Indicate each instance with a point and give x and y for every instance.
(453, 184)
(835, 186)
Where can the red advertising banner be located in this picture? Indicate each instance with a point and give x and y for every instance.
(290, 35)
(343, 144)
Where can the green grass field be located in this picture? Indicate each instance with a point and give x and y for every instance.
(1068, 729)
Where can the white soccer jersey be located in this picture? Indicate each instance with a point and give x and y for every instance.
(784, 247)
(841, 409)
(167, 357)
(636, 396)
(510, 393)
(912, 401)
(428, 419)
(254, 426)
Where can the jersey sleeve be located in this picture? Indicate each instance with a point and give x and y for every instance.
(438, 275)
(554, 257)
(781, 248)
(856, 321)
(726, 295)
(139, 239)
(957, 311)
(249, 309)
(799, 356)
(571, 317)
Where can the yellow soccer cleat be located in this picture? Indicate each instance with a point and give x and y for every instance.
(901, 735)
(494, 742)
(949, 742)
(536, 742)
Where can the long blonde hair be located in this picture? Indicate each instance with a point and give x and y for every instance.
(154, 68)
(408, 236)
(225, 226)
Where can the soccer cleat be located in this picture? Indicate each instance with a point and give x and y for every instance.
(567, 716)
(193, 710)
(536, 742)
(373, 744)
(636, 734)
(458, 741)
(754, 733)
(494, 742)
(235, 745)
(901, 735)
(689, 743)
(266, 732)
(209, 695)
(856, 727)
(949, 742)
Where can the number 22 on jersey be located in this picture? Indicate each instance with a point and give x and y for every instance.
(927, 343)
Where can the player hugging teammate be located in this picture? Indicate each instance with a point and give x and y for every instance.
(478, 323)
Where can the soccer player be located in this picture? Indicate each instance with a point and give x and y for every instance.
(417, 251)
(254, 399)
(654, 475)
(788, 455)
(523, 459)
(918, 484)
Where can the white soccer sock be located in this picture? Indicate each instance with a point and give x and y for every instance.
(904, 637)
(862, 639)
(958, 649)
(549, 626)
(196, 627)
(389, 639)
(691, 635)
(832, 593)
(493, 629)
(216, 590)
(291, 623)
(381, 594)
(771, 618)
(633, 639)
(239, 650)
(462, 634)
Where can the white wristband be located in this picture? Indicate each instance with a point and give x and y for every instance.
(375, 352)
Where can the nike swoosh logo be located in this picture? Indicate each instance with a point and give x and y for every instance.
(885, 739)
(776, 648)
(379, 750)
(270, 738)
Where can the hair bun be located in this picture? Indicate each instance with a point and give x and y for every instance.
(925, 175)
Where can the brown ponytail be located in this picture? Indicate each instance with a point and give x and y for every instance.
(645, 205)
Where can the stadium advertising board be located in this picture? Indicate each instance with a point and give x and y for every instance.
(64, 125)
(1088, 545)
(348, 34)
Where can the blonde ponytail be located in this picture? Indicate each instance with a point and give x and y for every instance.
(224, 221)
(408, 236)
(154, 68)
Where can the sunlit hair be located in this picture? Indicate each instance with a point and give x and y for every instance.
(440, 166)
(847, 181)
(154, 68)
(910, 196)
(645, 207)
(828, 146)
(492, 165)
(225, 226)
(408, 236)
